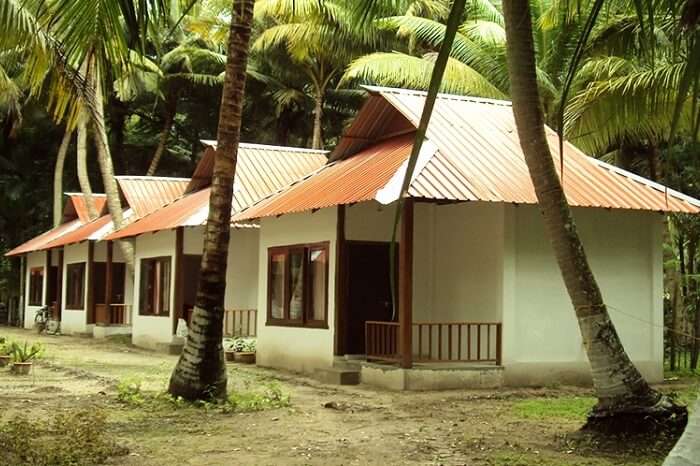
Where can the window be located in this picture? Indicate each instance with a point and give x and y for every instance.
(298, 285)
(75, 286)
(155, 286)
(36, 285)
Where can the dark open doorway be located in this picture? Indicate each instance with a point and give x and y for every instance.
(367, 291)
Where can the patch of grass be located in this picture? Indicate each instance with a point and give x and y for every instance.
(573, 408)
(537, 459)
(263, 396)
(78, 438)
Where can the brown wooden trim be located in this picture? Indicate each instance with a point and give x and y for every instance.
(406, 285)
(106, 318)
(178, 305)
(90, 283)
(59, 285)
(70, 270)
(164, 259)
(47, 274)
(32, 299)
(340, 288)
(305, 321)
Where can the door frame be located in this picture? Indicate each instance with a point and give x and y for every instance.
(342, 283)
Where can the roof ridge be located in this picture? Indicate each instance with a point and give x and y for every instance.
(82, 194)
(253, 145)
(441, 95)
(147, 177)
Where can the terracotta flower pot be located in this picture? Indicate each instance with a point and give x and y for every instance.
(21, 368)
(245, 357)
(230, 356)
(4, 360)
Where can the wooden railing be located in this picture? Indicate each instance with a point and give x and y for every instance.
(437, 341)
(240, 322)
(119, 314)
(382, 341)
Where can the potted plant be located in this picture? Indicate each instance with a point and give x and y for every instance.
(23, 356)
(5, 355)
(245, 352)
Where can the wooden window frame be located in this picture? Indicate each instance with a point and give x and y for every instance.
(142, 300)
(70, 305)
(36, 290)
(306, 321)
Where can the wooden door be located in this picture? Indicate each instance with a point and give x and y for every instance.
(368, 294)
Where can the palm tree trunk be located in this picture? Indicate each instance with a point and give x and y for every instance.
(104, 160)
(317, 141)
(58, 177)
(200, 372)
(83, 178)
(620, 388)
(687, 449)
(170, 111)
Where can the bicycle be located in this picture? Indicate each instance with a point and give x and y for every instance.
(44, 322)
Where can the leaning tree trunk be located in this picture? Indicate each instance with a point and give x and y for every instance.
(83, 177)
(317, 141)
(58, 177)
(104, 160)
(200, 372)
(170, 112)
(622, 392)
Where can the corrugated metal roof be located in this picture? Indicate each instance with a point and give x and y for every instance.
(347, 181)
(76, 207)
(478, 159)
(260, 171)
(146, 194)
(39, 242)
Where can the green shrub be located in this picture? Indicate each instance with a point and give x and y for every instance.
(26, 353)
(129, 392)
(271, 397)
(78, 438)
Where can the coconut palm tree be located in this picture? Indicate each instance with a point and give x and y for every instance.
(620, 388)
(319, 39)
(190, 63)
(200, 372)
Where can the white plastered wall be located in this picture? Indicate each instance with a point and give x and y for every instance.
(296, 348)
(542, 342)
(34, 260)
(242, 269)
(149, 331)
(74, 320)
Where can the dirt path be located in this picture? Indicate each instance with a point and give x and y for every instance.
(361, 425)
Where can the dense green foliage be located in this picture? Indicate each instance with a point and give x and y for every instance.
(160, 67)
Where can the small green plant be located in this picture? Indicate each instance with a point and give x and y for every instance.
(76, 438)
(243, 345)
(271, 397)
(5, 347)
(26, 353)
(129, 392)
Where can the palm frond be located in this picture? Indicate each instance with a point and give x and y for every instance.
(401, 70)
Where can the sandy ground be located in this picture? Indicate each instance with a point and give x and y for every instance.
(364, 426)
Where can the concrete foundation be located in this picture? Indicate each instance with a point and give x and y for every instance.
(104, 331)
(432, 376)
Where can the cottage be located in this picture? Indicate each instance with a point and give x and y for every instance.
(84, 280)
(480, 298)
(168, 245)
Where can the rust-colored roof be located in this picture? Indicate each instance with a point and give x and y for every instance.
(76, 207)
(38, 242)
(477, 158)
(84, 232)
(347, 181)
(145, 194)
(260, 170)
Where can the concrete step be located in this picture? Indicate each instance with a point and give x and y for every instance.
(338, 376)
